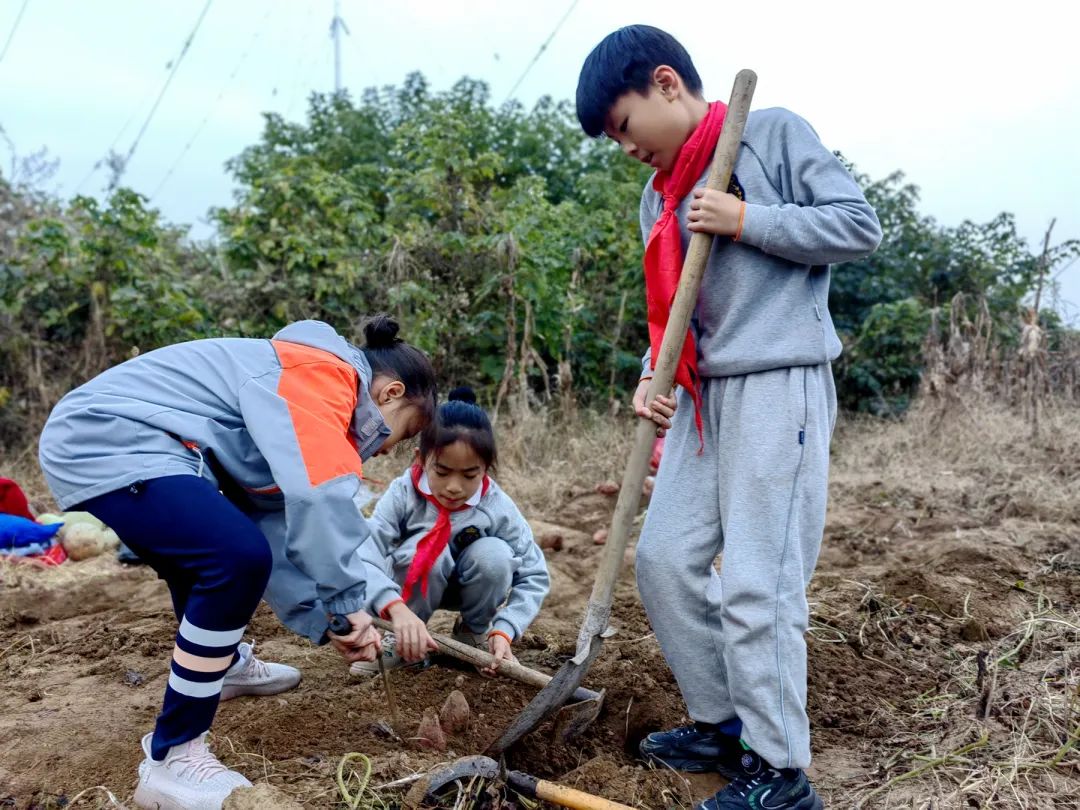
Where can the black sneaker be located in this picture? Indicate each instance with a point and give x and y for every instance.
(761, 787)
(697, 748)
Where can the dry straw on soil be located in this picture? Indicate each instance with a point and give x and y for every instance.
(999, 724)
(945, 625)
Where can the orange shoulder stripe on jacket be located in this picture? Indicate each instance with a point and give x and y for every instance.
(320, 390)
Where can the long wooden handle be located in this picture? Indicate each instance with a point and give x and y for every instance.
(482, 658)
(682, 309)
(575, 799)
(559, 794)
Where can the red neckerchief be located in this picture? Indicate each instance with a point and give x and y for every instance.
(431, 545)
(664, 253)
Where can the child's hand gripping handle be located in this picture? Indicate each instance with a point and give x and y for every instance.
(353, 636)
(340, 625)
(682, 309)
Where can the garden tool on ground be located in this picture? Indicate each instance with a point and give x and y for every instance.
(572, 719)
(523, 783)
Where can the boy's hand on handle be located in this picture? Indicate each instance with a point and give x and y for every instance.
(413, 639)
(660, 410)
(362, 643)
(713, 211)
(499, 646)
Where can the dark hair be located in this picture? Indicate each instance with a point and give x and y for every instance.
(390, 356)
(460, 419)
(624, 61)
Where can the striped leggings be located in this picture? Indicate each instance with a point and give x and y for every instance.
(216, 563)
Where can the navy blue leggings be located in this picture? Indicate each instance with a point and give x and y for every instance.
(216, 562)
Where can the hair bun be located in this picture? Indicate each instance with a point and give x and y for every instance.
(381, 331)
(462, 394)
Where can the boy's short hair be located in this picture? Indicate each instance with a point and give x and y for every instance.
(624, 61)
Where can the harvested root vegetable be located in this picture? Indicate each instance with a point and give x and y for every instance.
(551, 541)
(430, 734)
(608, 488)
(81, 541)
(455, 713)
(76, 518)
(600, 536)
(110, 540)
(553, 537)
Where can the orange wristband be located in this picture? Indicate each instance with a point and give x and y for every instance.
(742, 218)
(500, 633)
(645, 377)
(384, 614)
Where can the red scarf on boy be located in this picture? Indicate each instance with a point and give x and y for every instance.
(431, 545)
(664, 253)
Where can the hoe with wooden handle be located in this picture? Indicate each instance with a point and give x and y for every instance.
(595, 624)
(573, 718)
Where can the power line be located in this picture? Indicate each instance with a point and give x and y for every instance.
(14, 28)
(168, 80)
(270, 8)
(301, 72)
(540, 52)
(120, 134)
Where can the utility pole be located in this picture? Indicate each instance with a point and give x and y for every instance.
(337, 25)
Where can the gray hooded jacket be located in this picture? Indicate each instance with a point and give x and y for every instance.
(286, 421)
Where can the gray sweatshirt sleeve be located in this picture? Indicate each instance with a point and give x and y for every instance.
(376, 552)
(531, 582)
(827, 219)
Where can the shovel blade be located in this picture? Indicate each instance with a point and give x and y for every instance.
(573, 718)
(548, 700)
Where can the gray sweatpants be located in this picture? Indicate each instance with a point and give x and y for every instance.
(477, 585)
(735, 641)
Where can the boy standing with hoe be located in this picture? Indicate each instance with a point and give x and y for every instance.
(745, 466)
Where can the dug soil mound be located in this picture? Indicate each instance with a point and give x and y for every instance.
(944, 652)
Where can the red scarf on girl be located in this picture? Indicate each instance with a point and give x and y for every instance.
(664, 253)
(431, 545)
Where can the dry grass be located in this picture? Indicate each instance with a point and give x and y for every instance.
(977, 452)
(1001, 728)
(542, 457)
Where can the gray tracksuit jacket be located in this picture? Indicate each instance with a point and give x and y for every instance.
(764, 299)
(401, 519)
(284, 423)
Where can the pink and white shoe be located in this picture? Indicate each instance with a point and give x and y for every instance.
(189, 778)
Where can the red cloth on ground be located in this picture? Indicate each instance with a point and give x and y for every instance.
(12, 500)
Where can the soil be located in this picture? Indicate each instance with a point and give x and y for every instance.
(907, 597)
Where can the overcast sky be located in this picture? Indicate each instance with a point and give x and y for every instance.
(978, 103)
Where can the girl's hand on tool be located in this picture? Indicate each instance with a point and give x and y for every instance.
(499, 647)
(660, 410)
(413, 639)
(362, 644)
(715, 212)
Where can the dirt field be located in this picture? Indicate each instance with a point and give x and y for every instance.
(944, 647)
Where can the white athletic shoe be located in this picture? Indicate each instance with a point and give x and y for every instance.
(250, 676)
(189, 778)
(390, 658)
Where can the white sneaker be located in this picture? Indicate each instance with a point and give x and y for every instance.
(250, 676)
(390, 658)
(189, 778)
